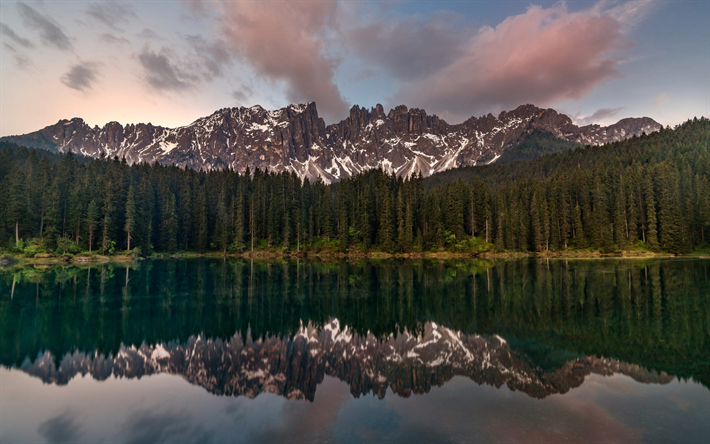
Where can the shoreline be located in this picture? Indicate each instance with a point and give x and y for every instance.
(47, 260)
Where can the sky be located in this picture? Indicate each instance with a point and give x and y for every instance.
(171, 62)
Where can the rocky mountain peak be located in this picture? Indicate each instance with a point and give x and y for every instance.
(403, 141)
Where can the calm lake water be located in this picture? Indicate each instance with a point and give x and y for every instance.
(385, 351)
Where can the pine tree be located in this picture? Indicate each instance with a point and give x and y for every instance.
(386, 225)
(238, 243)
(17, 204)
(145, 227)
(53, 220)
(668, 210)
(169, 225)
(107, 223)
(408, 240)
(579, 238)
(620, 219)
(92, 218)
(185, 216)
(632, 218)
(343, 220)
(652, 235)
(200, 218)
(223, 225)
(500, 224)
(537, 223)
(365, 226)
(401, 229)
(130, 216)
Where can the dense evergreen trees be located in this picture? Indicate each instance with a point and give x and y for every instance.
(653, 189)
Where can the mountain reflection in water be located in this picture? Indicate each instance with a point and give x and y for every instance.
(293, 368)
(407, 326)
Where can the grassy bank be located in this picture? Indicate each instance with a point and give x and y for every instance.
(329, 249)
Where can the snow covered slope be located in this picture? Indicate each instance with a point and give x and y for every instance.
(403, 141)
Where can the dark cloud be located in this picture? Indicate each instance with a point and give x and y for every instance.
(110, 38)
(284, 42)
(49, 31)
(110, 13)
(7, 31)
(81, 76)
(411, 48)
(162, 73)
(61, 428)
(199, 9)
(148, 34)
(212, 56)
(21, 61)
(540, 57)
(242, 95)
(598, 115)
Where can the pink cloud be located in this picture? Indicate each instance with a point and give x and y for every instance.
(284, 41)
(540, 56)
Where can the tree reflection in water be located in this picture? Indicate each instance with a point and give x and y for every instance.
(240, 327)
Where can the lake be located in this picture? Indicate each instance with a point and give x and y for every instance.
(203, 350)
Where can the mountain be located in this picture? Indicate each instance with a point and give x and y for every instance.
(293, 367)
(403, 141)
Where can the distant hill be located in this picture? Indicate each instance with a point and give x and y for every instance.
(537, 144)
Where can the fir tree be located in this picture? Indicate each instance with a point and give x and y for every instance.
(92, 218)
(130, 216)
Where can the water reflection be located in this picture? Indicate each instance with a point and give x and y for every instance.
(242, 327)
(293, 368)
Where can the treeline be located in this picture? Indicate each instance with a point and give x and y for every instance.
(652, 189)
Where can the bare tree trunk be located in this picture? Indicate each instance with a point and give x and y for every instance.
(17, 233)
(626, 221)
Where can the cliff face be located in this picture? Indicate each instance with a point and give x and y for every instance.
(403, 141)
(293, 368)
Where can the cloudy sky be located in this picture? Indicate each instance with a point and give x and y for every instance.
(170, 62)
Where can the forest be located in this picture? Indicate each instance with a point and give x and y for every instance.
(650, 192)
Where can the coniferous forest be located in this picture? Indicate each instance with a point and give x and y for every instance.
(651, 192)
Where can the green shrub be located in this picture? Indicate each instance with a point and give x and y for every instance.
(66, 245)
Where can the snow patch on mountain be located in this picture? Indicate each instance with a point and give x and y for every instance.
(295, 139)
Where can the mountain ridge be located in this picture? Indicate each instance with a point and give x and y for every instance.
(404, 141)
(293, 367)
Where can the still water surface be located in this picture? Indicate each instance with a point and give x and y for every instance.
(384, 351)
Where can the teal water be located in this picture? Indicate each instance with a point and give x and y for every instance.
(383, 351)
